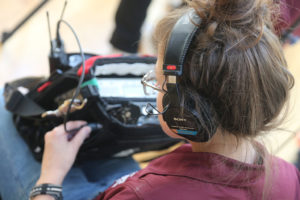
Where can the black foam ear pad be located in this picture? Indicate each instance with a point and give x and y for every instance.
(185, 121)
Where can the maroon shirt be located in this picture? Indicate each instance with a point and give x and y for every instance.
(188, 175)
(290, 13)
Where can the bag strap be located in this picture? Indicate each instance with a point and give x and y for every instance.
(19, 104)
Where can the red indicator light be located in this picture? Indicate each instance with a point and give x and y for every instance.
(171, 67)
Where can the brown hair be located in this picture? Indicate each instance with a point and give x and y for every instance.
(236, 62)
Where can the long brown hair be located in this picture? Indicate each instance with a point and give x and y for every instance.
(236, 62)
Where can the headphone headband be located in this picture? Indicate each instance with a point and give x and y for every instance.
(184, 119)
(179, 43)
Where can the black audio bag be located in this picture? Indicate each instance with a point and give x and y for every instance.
(127, 129)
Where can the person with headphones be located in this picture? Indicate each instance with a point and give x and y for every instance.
(222, 80)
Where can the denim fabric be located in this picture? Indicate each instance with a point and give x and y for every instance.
(19, 170)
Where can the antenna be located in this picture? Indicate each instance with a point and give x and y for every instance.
(49, 30)
(63, 11)
(59, 43)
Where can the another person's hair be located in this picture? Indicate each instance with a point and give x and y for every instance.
(236, 62)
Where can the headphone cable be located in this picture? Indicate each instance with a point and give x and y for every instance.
(81, 76)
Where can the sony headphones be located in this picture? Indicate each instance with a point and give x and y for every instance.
(184, 120)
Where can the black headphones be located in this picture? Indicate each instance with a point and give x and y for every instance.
(185, 121)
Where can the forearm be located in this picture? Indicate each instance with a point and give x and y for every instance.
(52, 176)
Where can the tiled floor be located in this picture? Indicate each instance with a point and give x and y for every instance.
(25, 54)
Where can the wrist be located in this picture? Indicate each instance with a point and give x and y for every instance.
(51, 176)
(49, 179)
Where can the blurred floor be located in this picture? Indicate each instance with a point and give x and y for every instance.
(25, 54)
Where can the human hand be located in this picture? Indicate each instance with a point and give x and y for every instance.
(59, 153)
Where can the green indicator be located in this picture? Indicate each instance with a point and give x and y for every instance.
(93, 81)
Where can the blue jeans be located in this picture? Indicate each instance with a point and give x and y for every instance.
(19, 171)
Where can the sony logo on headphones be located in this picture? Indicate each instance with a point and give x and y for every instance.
(179, 119)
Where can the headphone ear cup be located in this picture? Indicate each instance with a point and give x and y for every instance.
(165, 100)
(166, 107)
(189, 123)
(206, 121)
